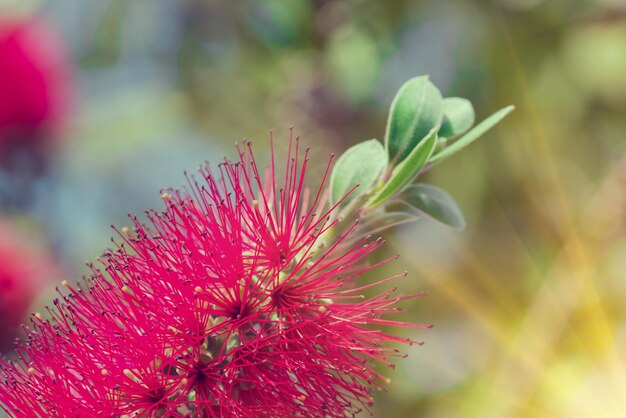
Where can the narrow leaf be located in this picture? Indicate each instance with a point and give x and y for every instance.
(381, 222)
(360, 165)
(473, 134)
(415, 111)
(434, 202)
(458, 116)
(407, 170)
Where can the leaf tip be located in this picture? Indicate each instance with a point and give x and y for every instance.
(462, 226)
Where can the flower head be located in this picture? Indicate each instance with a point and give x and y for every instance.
(238, 300)
(34, 85)
(24, 269)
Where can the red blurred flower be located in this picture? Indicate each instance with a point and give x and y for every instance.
(34, 84)
(23, 274)
(235, 302)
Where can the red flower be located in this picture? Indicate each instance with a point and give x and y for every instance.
(34, 84)
(236, 302)
(23, 270)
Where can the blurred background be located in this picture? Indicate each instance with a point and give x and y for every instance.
(104, 103)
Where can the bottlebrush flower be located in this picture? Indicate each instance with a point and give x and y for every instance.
(23, 273)
(238, 300)
(34, 85)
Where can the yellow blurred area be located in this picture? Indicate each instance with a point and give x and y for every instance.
(528, 303)
(540, 281)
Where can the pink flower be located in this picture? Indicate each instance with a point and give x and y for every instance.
(23, 273)
(34, 85)
(239, 300)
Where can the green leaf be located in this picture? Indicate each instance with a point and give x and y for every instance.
(434, 202)
(407, 170)
(360, 165)
(415, 111)
(472, 135)
(380, 222)
(458, 116)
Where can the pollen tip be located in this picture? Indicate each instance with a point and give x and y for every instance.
(65, 283)
(197, 289)
(322, 309)
(166, 196)
(37, 315)
(104, 372)
(125, 230)
(31, 370)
